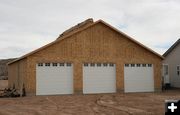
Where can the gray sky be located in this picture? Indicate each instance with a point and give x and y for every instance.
(26, 25)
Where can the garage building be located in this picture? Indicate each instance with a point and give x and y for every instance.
(91, 57)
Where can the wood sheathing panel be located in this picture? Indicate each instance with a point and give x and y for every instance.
(17, 73)
(97, 43)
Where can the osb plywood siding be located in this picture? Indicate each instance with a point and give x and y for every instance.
(98, 43)
(17, 74)
(12, 74)
(3, 84)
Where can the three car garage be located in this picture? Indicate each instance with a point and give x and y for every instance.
(89, 58)
(57, 78)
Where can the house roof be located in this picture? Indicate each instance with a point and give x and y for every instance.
(68, 34)
(171, 48)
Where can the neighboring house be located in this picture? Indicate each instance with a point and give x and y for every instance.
(171, 65)
(91, 57)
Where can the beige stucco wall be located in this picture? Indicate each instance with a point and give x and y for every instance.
(98, 43)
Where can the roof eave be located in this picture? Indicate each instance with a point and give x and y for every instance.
(171, 48)
(133, 39)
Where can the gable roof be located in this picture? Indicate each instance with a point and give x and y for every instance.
(81, 29)
(171, 48)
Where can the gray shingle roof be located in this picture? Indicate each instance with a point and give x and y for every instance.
(171, 48)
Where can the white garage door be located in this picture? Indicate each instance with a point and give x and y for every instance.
(54, 78)
(99, 78)
(138, 78)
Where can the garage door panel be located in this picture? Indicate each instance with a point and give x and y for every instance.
(99, 79)
(52, 80)
(134, 84)
(139, 79)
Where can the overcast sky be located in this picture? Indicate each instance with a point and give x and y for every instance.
(26, 25)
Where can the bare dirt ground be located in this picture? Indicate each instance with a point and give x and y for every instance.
(100, 104)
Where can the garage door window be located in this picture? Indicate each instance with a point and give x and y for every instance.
(61, 64)
(40, 64)
(149, 65)
(69, 64)
(92, 64)
(47, 64)
(132, 65)
(111, 65)
(98, 64)
(105, 64)
(54, 64)
(138, 65)
(144, 65)
(126, 65)
(85, 64)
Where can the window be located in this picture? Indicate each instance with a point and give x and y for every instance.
(98, 64)
(54, 64)
(40, 64)
(68, 64)
(47, 64)
(144, 65)
(92, 64)
(111, 64)
(132, 65)
(149, 65)
(126, 65)
(165, 69)
(105, 64)
(138, 65)
(86, 64)
(178, 70)
(61, 64)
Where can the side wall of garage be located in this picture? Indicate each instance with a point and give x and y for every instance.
(98, 43)
(17, 73)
